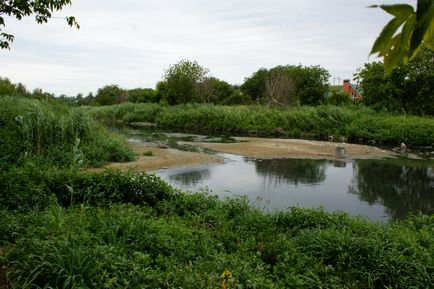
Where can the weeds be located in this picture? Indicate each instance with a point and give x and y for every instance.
(54, 135)
(358, 124)
(139, 246)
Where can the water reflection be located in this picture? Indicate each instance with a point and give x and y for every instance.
(401, 186)
(377, 189)
(190, 178)
(294, 171)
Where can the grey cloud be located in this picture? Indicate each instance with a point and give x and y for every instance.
(131, 42)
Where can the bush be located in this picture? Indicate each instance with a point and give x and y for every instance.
(29, 188)
(132, 246)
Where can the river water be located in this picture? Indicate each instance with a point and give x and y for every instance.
(380, 190)
(376, 189)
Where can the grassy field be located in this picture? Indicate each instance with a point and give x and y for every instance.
(357, 124)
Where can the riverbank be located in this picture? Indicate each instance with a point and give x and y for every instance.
(296, 148)
(151, 156)
(356, 124)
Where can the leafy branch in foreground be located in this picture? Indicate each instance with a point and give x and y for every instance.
(42, 9)
(417, 31)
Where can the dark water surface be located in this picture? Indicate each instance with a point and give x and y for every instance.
(377, 189)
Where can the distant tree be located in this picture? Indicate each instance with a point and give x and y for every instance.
(88, 99)
(311, 83)
(408, 88)
(111, 94)
(280, 87)
(214, 90)
(161, 91)
(254, 86)
(38, 93)
(417, 31)
(42, 9)
(182, 82)
(7, 88)
(339, 98)
(140, 95)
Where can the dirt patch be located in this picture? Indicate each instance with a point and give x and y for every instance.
(296, 148)
(161, 158)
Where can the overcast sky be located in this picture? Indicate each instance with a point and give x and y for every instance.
(131, 42)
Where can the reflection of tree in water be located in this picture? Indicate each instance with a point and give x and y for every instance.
(292, 170)
(400, 186)
(190, 178)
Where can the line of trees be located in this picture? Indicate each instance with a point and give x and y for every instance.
(408, 88)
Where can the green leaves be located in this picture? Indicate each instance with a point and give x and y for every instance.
(417, 31)
(41, 9)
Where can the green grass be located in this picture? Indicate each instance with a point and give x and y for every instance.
(356, 123)
(54, 135)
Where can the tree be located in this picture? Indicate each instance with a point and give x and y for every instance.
(142, 95)
(182, 82)
(417, 30)
(111, 94)
(254, 86)
(7, 88)
(214, 90)
(280, 87)
(42, 9)
(408, 88)
(311, 83)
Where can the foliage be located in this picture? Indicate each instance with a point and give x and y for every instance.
(318, 122)
(417, 31)
(254, 86)
(339, 98)
(407, 88)
(41, 9)
(182, 82)
(189, 241)
(29, 187)
(7, 88)
(143, 95)
(111, 94)
(310, 83)
(213, 90)
(53, 134)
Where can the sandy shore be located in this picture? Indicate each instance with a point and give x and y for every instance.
(295, 148)
(162, 158)
(247, 146)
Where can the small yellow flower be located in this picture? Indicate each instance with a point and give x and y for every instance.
(224, 279)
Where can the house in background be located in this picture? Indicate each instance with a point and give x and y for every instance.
(353, 90)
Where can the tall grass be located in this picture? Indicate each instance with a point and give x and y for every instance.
(358, 124)
(54, 134)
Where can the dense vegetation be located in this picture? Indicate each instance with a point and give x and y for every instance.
(64, 227)
(408, 88)
(355, 123)
(131, 230)
(54, 135)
